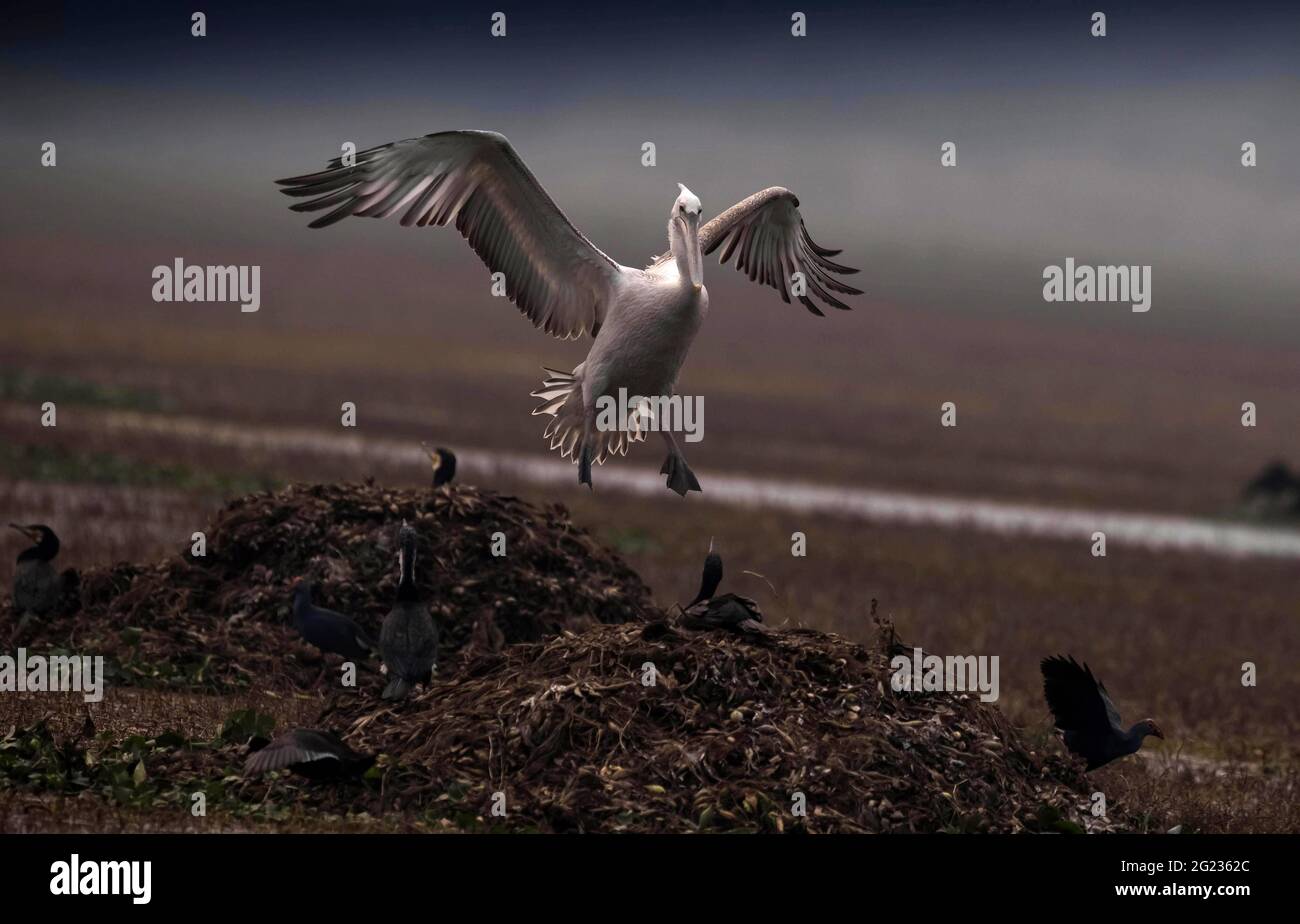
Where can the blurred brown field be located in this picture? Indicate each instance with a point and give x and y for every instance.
(1125, 151)
(1092, 420)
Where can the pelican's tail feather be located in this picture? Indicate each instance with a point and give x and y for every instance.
(561, 395)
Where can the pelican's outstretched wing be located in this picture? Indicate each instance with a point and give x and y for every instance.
(767, 236)
(557, 277)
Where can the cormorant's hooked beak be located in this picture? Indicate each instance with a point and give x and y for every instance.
(29, 533)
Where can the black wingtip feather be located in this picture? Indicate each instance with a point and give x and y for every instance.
(808, 303)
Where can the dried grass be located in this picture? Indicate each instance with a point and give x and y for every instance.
(222, 621)
(542, 693)
(732, 729)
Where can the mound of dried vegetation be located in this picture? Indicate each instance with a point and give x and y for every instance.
(734, 733)
(222, 620)
(565, 701)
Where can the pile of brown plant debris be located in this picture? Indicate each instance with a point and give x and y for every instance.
(564, 701)
(656, 728)
(222, 621)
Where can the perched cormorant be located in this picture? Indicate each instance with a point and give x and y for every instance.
(730, 611)
(317, 755)
(409, 638)
(37, 586)
(1275, 490)
(444, 464)
(331, 632)
(1088, 720)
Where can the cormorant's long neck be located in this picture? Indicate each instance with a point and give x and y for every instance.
(406, 586)
(711, 579)
(45, 550)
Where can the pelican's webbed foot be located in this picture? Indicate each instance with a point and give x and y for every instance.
(680, 477)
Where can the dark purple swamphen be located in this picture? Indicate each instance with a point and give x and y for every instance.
(1088, 720)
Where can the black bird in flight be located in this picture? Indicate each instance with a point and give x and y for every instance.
(317, 755)
(408, 640)
(1088, 720)
(444, 464)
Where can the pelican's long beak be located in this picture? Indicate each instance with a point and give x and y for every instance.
(694, 258)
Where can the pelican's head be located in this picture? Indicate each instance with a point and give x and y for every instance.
(684, 234)
(687, 203)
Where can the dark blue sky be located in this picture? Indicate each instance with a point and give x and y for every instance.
(1123, 149)
(919, 42)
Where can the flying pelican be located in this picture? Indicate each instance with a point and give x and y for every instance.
(643, 321)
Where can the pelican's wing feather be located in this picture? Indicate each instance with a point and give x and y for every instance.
(558, 278)
(766, 235)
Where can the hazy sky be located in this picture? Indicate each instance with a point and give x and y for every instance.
(1123, 149)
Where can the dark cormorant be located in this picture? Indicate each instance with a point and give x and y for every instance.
(1088, 720)
(712, 576)
(730, 611)
(37, 586)
(317, 755)
(1274, 480)
(331, 632)
(409, 638)
(444, 464)
(1275, 490)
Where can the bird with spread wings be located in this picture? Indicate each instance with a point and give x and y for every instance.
(642, 321)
